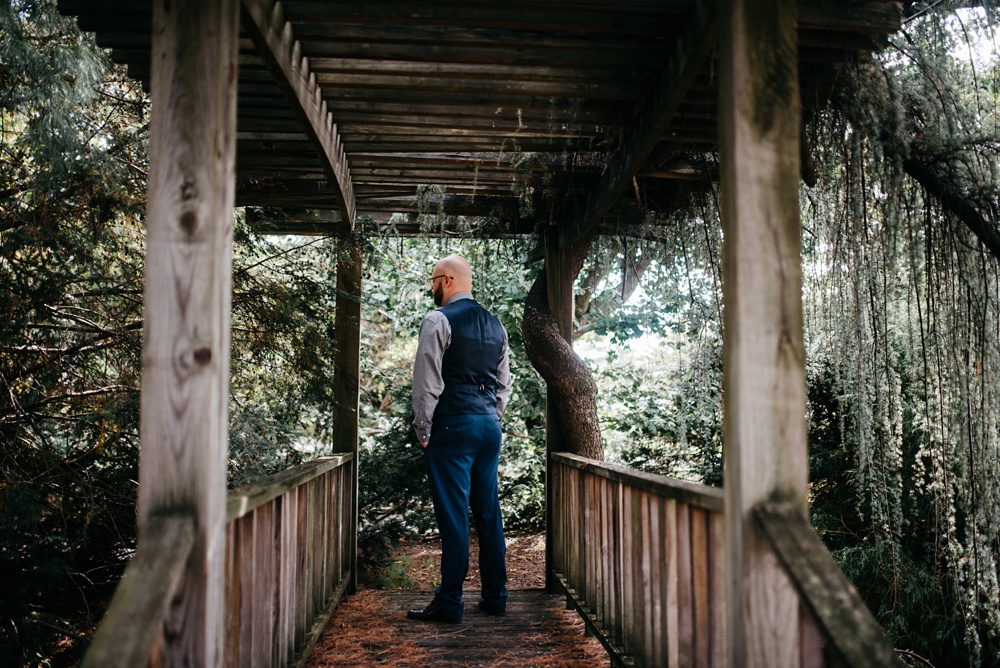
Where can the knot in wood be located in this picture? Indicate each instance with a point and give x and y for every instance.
(189, 221)
(203, 355)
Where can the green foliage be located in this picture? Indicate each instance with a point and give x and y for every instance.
(72, 187)
(901, 326)
(901, 313)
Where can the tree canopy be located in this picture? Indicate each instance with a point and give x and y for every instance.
(900, 206)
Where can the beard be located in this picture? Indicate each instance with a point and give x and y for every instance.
(438, 296)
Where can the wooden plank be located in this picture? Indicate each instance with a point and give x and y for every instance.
(300, 569)
(542, 17)
(234, 584)
(575, 521)
(764, 368)
(613, 587)
(631, 543)
(263, 588)
(657, 111)
(685, 587)
(657, 646)
(646, 574)
(620, 549)
(245, 555)
(717, 570)
(185, 376)
(671, 595)
(811, 641)
(290, 542)
(848, 627)
(560, 298)
(699, 563)
(132, 626)
(274, 39)
(700, 496)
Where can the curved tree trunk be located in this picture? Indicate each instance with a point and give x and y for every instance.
(566, 374)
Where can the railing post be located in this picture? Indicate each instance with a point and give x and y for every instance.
(346, 371)
(185, 375)
(560, 295)
(764, 367)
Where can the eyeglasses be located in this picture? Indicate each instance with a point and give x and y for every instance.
(434, 278)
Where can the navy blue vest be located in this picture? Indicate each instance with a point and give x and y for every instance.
(469, 366)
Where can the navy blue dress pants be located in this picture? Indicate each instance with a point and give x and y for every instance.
(462, 458)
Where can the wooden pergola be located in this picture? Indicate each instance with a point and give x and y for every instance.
(563, 119)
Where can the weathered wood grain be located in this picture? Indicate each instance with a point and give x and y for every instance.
(764, 360)
(287, 561)
(243, 500)
(659, 107)
(185, 370)
(848, 627)
(642, 558)
(130, 632)
(701, 496)
(576, 73)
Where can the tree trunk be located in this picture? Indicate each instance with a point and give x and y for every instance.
(566, 374)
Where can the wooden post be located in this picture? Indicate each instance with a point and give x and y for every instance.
(764, 379)
(559, 282)
(346, 372)
(185, 375)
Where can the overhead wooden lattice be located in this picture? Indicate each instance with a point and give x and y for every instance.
(575, 113)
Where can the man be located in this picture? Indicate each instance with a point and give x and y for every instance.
(461, 383)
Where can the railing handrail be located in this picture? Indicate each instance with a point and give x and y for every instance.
(133, 623)
(700, 496)
(637, 555)
(130, 628)
(841, 616)
(246, 498)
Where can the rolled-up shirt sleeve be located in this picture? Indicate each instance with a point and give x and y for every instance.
(503, 378)
(428, 384)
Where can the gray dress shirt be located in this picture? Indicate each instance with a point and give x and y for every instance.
(435, 337)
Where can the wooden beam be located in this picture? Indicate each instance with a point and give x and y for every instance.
(346, 374)
(132, 626)
(849, 628)
(185, 371)
(658, 110)
(764, 427)
(272, 34)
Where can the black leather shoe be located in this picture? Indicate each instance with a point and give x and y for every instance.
(432, 613)
(490, 610)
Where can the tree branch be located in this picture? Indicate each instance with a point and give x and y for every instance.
(952, 200)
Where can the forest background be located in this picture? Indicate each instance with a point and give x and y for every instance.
(902, 334)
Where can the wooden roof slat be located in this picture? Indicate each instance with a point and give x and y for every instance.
(661, 104)
(480, 98)
(648, 21)
(273, 36)
(404, 85)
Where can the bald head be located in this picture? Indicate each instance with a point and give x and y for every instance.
(457, 267)
(454, 275)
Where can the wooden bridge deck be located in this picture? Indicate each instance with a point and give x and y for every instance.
(371, 629)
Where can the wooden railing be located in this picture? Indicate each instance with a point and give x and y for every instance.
(133, 623)
(289, 559)
(851, 635)
(290, 556)
(642, 559)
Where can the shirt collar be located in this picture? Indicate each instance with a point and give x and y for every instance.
(459, 295)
